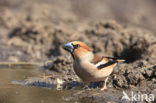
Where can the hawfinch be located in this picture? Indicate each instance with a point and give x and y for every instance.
(88, 66)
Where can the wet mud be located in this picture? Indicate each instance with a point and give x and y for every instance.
(35, 32)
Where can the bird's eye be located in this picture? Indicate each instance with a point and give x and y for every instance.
(76, 46)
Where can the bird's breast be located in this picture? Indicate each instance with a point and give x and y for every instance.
(82, 72)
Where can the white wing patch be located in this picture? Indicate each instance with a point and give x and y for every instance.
(100, 63)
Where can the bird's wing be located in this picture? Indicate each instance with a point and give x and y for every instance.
(96, 59)
(103, 62)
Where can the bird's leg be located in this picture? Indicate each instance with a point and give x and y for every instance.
(104, 86)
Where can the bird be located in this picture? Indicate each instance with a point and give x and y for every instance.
(88, 66)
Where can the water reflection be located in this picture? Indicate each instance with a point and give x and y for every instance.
(11, 93)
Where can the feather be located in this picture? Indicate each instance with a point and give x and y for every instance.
(103, 62)
(98, 59)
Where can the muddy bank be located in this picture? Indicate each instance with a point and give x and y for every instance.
(36, 32)
(136, 46)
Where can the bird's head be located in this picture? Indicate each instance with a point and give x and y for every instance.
(78, 49)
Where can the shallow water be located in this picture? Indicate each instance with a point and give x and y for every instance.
(13, 89)
(11, 93)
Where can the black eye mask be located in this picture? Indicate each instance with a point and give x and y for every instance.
(76, 46)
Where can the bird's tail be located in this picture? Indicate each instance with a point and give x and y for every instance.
(115, 59)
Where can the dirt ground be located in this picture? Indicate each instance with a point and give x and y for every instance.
(35, 32)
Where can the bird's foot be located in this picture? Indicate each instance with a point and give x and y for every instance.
(103, 88)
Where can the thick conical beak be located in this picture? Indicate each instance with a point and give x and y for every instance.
(69, 47)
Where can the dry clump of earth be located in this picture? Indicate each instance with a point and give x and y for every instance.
(36, 36)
